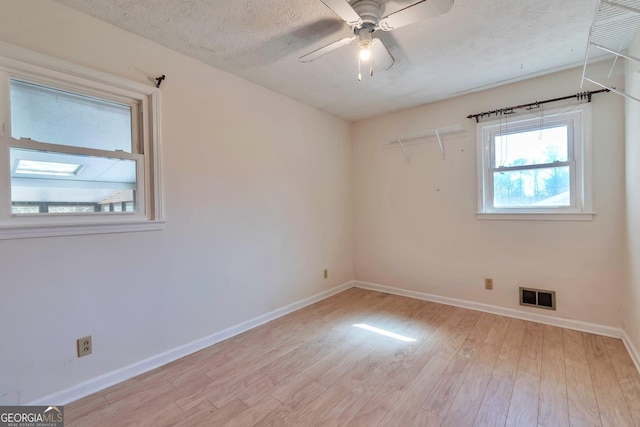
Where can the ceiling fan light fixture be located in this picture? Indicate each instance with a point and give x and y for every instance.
(365, 53)
(364, 43)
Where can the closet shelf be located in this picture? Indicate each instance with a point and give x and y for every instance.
(438, 133)
(615, 25)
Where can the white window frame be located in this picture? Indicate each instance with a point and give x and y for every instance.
(24, 65)
(579, 161)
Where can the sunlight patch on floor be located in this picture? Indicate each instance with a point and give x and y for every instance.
(383, 332)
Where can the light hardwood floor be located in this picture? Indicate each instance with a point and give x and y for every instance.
(314, 367)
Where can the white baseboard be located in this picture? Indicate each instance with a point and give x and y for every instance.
(101, 382)
(633, 351)
(509, 312)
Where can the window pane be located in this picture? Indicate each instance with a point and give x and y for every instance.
(545, 145)
(87, 185)
(54, 116)
(73, 208)
(533, 188)
(24, 209)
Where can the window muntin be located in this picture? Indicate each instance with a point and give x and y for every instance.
(534, 164)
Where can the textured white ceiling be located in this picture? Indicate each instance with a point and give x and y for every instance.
(478, 44)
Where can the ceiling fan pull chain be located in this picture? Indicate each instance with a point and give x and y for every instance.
(359, 69)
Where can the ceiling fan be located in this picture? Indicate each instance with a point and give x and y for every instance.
(365, 18)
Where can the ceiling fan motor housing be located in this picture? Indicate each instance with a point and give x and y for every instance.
(369, 12)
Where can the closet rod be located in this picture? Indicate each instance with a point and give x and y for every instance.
(509, 110)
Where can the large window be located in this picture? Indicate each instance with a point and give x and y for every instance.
(535, 166)
(79, 150)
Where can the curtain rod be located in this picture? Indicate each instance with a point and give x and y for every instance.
(509, 110)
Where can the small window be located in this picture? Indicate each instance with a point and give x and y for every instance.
(535, 165)
(79, 152)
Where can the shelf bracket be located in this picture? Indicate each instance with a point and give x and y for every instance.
(404, 151)
(440, 143)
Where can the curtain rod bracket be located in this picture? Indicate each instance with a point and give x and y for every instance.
(159, 80)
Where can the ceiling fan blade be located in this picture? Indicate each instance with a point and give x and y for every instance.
(326, 49)
(343, 9)
(381, 55)
(414, 13)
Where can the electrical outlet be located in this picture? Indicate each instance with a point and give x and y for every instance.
(488, 284)
(84, 346)
(326, 273)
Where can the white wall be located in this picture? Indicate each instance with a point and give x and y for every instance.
(631, 297)
(257, 206)
(415, 224)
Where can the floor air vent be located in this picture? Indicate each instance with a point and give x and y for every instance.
(538, 298)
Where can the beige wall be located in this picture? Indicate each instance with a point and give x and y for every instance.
(631, 297)
(261, 193)
(415, 225)
(257, 207)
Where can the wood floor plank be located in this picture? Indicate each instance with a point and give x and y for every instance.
(507, 363)
(288, 388)
(468, 400)
(582, 398)
(84, 407)
(426, 419)
(377, 408)
(531, 354)
(255, 380)
(477, 336)
(298, 401)
(406, 363)
(155, 418)
(611, 402)
(452, 334)
(255, 386)
(498, 330)
(577, 422)
(433, 320)
(627, 374)
(450, 382)
(370, 345)
(553, 410)
(523, 407)
(331, 398)
(210, 416)
(97, 417)
(410, 402)
(445, 391)
(256, 413)
(313, 367)
(360, 393)
(495, 405)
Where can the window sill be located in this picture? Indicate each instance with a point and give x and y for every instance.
(536, 216)
(33, 231)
